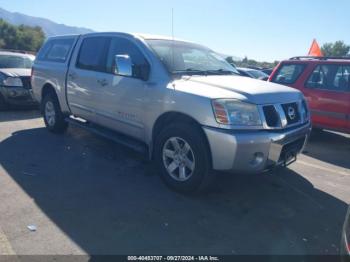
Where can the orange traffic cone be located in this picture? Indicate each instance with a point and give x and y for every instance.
(315, 49)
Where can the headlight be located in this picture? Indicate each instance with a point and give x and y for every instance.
(12, 82)
(235, 112)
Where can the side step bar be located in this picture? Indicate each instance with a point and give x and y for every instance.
(110, 134)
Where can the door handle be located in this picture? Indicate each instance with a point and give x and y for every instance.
(102, 82)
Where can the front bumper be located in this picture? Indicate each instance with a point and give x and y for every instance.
(254, 151)
(17, 96)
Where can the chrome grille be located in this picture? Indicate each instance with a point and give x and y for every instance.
(278, 116)
(306, 110)
(292, 113)
(271, 116)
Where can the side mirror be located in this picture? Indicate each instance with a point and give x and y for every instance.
(122, 65)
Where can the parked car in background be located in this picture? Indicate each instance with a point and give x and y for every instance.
(252, 73)
(345, 243)
(267, 71)
(178, 102)
(15, 71)
(325, 82)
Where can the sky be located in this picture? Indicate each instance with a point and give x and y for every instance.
(265, 30)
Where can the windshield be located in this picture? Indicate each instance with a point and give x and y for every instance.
(12, 61)
(187, 58)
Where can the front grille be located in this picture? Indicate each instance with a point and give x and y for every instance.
(279, 116)
(26, 82)
(306, 116)
(271, 116)
(292, 113)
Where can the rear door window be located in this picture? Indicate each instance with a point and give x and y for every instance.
(56, 50)
(330, 77)
(288, 73)
(93, 54)
(342, 79)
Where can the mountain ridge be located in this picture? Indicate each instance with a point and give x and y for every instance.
(49, 27)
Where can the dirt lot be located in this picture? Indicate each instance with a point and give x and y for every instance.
(87, 195)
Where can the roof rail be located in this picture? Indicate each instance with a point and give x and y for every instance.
(320, 57)
(17, 51)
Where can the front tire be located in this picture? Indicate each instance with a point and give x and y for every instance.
(183, 158)
(53, 116)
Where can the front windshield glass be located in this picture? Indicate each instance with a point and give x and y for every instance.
(188, 58)
(12, 61)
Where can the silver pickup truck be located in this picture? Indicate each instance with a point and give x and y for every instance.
(179, 102)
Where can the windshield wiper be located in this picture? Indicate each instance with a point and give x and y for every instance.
(191, 71)
(221, 72)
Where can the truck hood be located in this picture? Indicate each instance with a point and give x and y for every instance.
(237, 87)
(16, 72)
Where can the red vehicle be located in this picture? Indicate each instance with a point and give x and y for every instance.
(325, 82)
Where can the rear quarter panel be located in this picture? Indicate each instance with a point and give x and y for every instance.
(52, 73)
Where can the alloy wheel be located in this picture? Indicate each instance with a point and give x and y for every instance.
(50, 114)
(178, 159)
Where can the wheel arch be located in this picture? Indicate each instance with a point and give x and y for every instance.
(173, 117)
(47, 89)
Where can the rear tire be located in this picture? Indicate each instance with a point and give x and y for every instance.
(183, 158)
(53, 116)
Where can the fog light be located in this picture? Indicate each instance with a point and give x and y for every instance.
(258, 158)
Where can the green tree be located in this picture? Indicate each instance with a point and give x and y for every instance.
(339, 48)
(230, 60)
(245, 62)
(20, 37)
